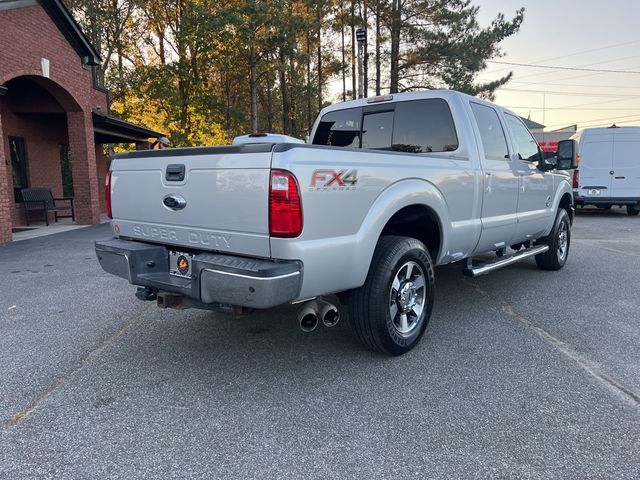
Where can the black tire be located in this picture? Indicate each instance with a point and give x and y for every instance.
(556, 256)
(371, 305)
(633, 210)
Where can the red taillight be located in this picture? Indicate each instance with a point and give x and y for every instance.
(576, 178)
(107, 194)
(285, 209)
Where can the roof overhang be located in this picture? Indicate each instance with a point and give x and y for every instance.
(531, 125)
(71, 31)
(110, 129)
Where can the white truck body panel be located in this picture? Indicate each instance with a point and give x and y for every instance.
(609, 164)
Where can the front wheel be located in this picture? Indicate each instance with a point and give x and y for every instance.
(633, 210)
(559, 241)
(390, 312)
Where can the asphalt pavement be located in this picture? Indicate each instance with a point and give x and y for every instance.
(521, 374)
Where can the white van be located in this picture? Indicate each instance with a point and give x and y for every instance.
(608, 172)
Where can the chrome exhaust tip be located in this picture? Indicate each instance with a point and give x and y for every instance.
(307, 318)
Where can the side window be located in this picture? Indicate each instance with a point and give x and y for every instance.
(376, 130)
(423, 126)
(339, 129)
(526, 145)
(494, 142)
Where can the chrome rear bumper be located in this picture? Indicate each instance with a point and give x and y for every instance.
(216, 279)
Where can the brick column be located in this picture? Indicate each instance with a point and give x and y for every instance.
(84, 168)
(6, 193)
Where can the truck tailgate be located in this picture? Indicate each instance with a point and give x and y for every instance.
(213, 198)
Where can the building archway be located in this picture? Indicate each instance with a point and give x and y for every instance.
(48, 143)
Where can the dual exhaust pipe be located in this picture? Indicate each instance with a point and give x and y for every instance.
(315, 311)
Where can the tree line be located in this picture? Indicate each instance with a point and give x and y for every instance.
(204, 71)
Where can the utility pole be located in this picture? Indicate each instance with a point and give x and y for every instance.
(544, 109)
(365, 54)
(361, 35)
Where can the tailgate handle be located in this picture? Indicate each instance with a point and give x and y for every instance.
(175, 173)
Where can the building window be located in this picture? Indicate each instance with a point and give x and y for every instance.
(65, 168)
(19, 169)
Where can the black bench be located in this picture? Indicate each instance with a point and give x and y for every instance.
(41, 199)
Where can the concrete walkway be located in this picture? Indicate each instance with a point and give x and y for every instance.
(40, 229)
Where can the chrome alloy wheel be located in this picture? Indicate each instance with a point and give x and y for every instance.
(563, 240)
(407, 298)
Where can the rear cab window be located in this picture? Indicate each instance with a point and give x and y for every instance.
(377, 130)
(340, 128)
(414, 126)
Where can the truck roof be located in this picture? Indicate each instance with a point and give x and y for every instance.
(397, 97)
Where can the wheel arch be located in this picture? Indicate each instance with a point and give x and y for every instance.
(418, 221)
(563, 199)
(566, 202)
(401, 201)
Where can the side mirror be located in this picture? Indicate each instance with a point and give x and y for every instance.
(567, 155)
(547, 160)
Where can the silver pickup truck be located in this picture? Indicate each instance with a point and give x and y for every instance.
(389, 188)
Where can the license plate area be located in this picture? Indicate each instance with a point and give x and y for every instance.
(593, 191)
(180, 264)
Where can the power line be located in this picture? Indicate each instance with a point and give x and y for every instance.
(558, 67)
(577, 85)
(582, 75)
(598, 120)
(570, 55)
(569, 94)
(591, 64)
(598, 103)
(635, 120)
(637, 109)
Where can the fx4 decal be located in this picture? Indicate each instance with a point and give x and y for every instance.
(322, 180)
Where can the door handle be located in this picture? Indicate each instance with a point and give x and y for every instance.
(487, 182)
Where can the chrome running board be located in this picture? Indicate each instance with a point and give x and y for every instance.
(499, 262)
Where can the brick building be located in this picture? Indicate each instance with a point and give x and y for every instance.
(54, 113)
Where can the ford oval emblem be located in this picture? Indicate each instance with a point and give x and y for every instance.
(174, 202)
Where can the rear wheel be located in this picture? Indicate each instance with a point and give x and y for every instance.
(633, 210)
(559, 241)
(390, 312)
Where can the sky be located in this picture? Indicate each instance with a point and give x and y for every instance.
(586, 34)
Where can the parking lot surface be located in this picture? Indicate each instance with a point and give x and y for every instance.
(522, 373)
